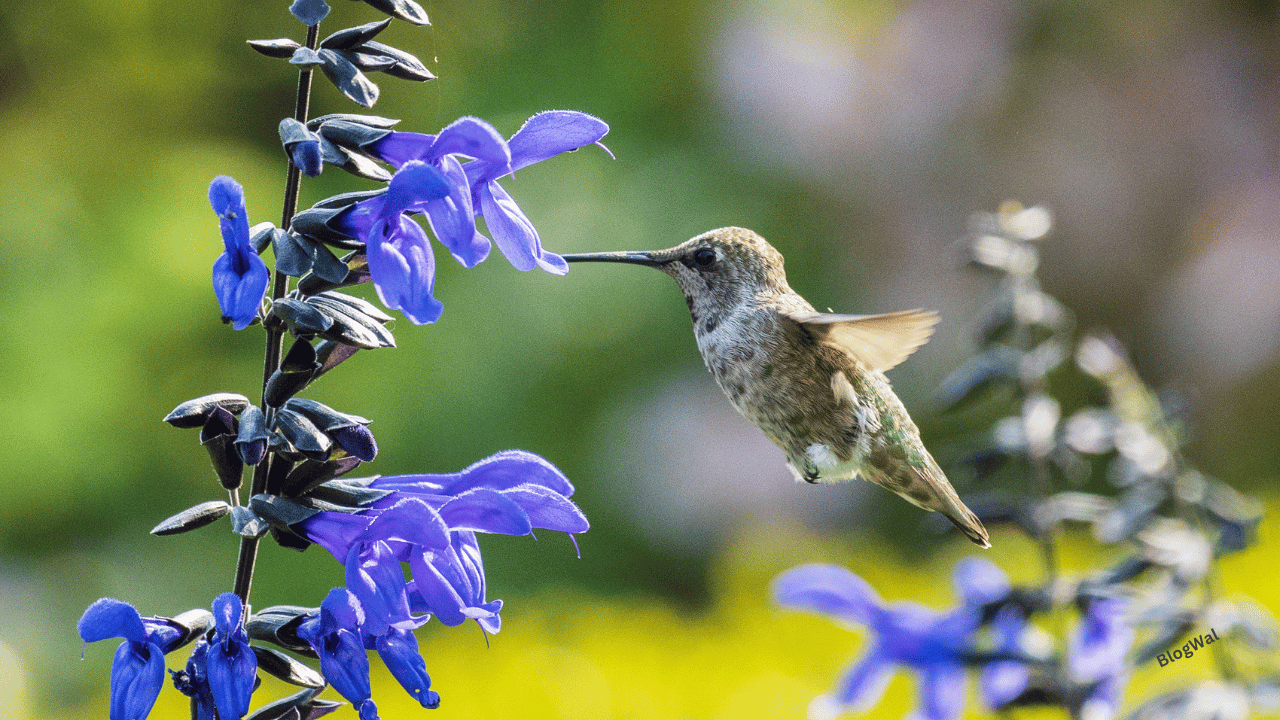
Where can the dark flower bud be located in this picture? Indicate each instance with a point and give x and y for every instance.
(357, 441)
(355, 36)
(251, 440)
(329, 354)
(348, 431)
(357, 264)
(262, 235)
(278, 48)
(283, 385)
(311, 473)
(406, 10)
(278, 625)
(246, 523)
(301, 318)
(302, 434)
(286, 668)
(309, 13)
(218, 437)
(194, 413)
(406, 67)
(302, 145)
(192, 518)
(303, 705)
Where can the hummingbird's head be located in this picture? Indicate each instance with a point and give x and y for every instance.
(717, 270)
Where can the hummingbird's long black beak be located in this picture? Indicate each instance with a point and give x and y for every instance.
(651, 259)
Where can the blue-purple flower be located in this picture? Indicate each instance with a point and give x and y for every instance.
(1096, 652)
(542, 137)
(429, 522)
(137, 671)
(220, 673)
(401, 263)
(932, 644)
(433, 179)
(239, 275)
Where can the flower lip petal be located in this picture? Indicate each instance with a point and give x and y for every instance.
(410, 520)
(549, 509)
(512, 230)
(864, 684)
(137, 675)
(399, 651)
(980, 581)
(828, 590)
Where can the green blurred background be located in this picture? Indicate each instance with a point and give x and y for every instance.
(857, 136)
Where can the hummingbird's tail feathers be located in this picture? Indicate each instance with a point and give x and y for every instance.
(924, 485)
(970, 525)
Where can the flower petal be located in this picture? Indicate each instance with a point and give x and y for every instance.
(549, 509)
(980, 581)
(410, 520)
(864, 684)
(550, 133)
(399, 651)
(512, 231)
(240, 295)
(416, 184)
(484, 510)
(1005, 680)
(137, 674)
(472, 137)
(403, 270)
(828, 590)
(453, 219)
(232, 671)
(398, 148)
(500, 471)
(374, 576)
(942, 691)
(111, 618)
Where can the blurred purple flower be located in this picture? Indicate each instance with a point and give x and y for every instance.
(137, 671)
(930, 643)
(1096, 652)
(239, 275)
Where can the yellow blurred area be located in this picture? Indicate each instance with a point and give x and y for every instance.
(566, 654)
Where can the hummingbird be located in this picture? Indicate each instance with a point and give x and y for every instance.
(813, 382)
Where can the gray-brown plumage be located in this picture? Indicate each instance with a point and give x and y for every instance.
(814, 382)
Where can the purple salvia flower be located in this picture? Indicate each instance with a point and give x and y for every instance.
(137, 671)
(401, 263)
(239, 275)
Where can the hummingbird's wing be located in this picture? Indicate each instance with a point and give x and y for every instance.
(879, 342)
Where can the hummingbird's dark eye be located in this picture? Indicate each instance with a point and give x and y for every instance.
(704, 258)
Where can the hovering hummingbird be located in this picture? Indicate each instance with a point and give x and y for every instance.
(813, 382)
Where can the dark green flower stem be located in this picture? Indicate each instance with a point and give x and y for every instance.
(275, 331)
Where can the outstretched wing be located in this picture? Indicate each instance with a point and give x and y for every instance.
(879, 342)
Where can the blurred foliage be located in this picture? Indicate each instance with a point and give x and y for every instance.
(1150, 129)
